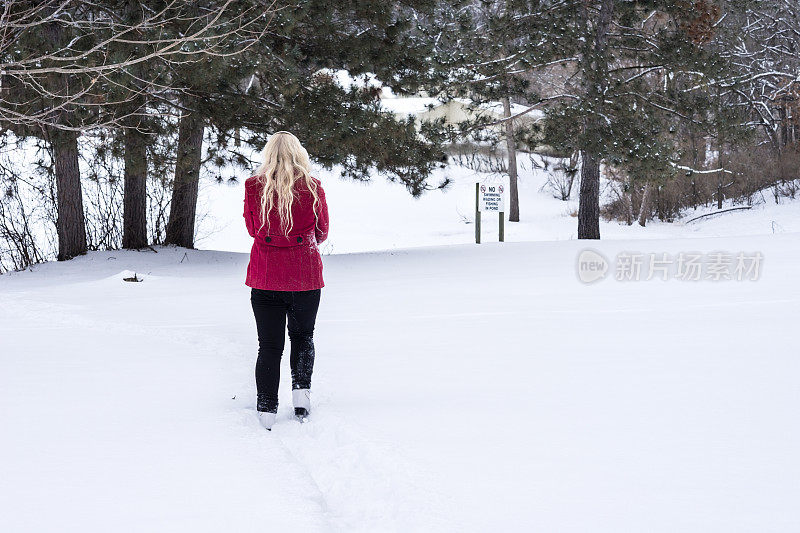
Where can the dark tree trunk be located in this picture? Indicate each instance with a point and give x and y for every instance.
(70, 221)
(720, 160)
(589, 202)
(180, 228)
(784, 127)
(134, 225)
(513, 191)
(134, 218)
(594, 67)
(720, 175)
(698, 155)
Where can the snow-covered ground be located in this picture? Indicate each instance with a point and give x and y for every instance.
(457, 387)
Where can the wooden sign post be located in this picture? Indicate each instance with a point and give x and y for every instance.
(489, 198)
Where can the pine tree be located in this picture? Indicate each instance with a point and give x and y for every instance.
(489, 51)
(69, 67)
(636, 66)
(47, 103)
(281, 84)
(134, 226)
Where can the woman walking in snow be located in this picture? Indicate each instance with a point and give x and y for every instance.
(287, 216)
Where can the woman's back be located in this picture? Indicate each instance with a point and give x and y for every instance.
(304, 218)
(279, 260)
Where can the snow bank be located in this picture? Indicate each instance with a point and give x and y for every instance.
(457, 388)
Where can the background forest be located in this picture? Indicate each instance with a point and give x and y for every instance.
(112, 112)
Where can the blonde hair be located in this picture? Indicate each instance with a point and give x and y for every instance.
(283, 162)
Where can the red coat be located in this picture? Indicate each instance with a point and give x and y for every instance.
(286, 262)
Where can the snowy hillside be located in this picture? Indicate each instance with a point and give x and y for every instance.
(457, 388)
(382, 215)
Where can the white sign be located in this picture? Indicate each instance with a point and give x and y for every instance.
(492, 197)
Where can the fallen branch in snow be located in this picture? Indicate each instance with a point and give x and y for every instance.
(719, 212)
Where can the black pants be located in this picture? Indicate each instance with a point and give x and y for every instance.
(271, 308)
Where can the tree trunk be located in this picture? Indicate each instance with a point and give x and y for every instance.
(513, 191)
(643, 208)
(594, 68)
(70, 221)
(589, 201)
(180, 229)
(720, 180)
(720, 161)
(784, 126)
(134, 219)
